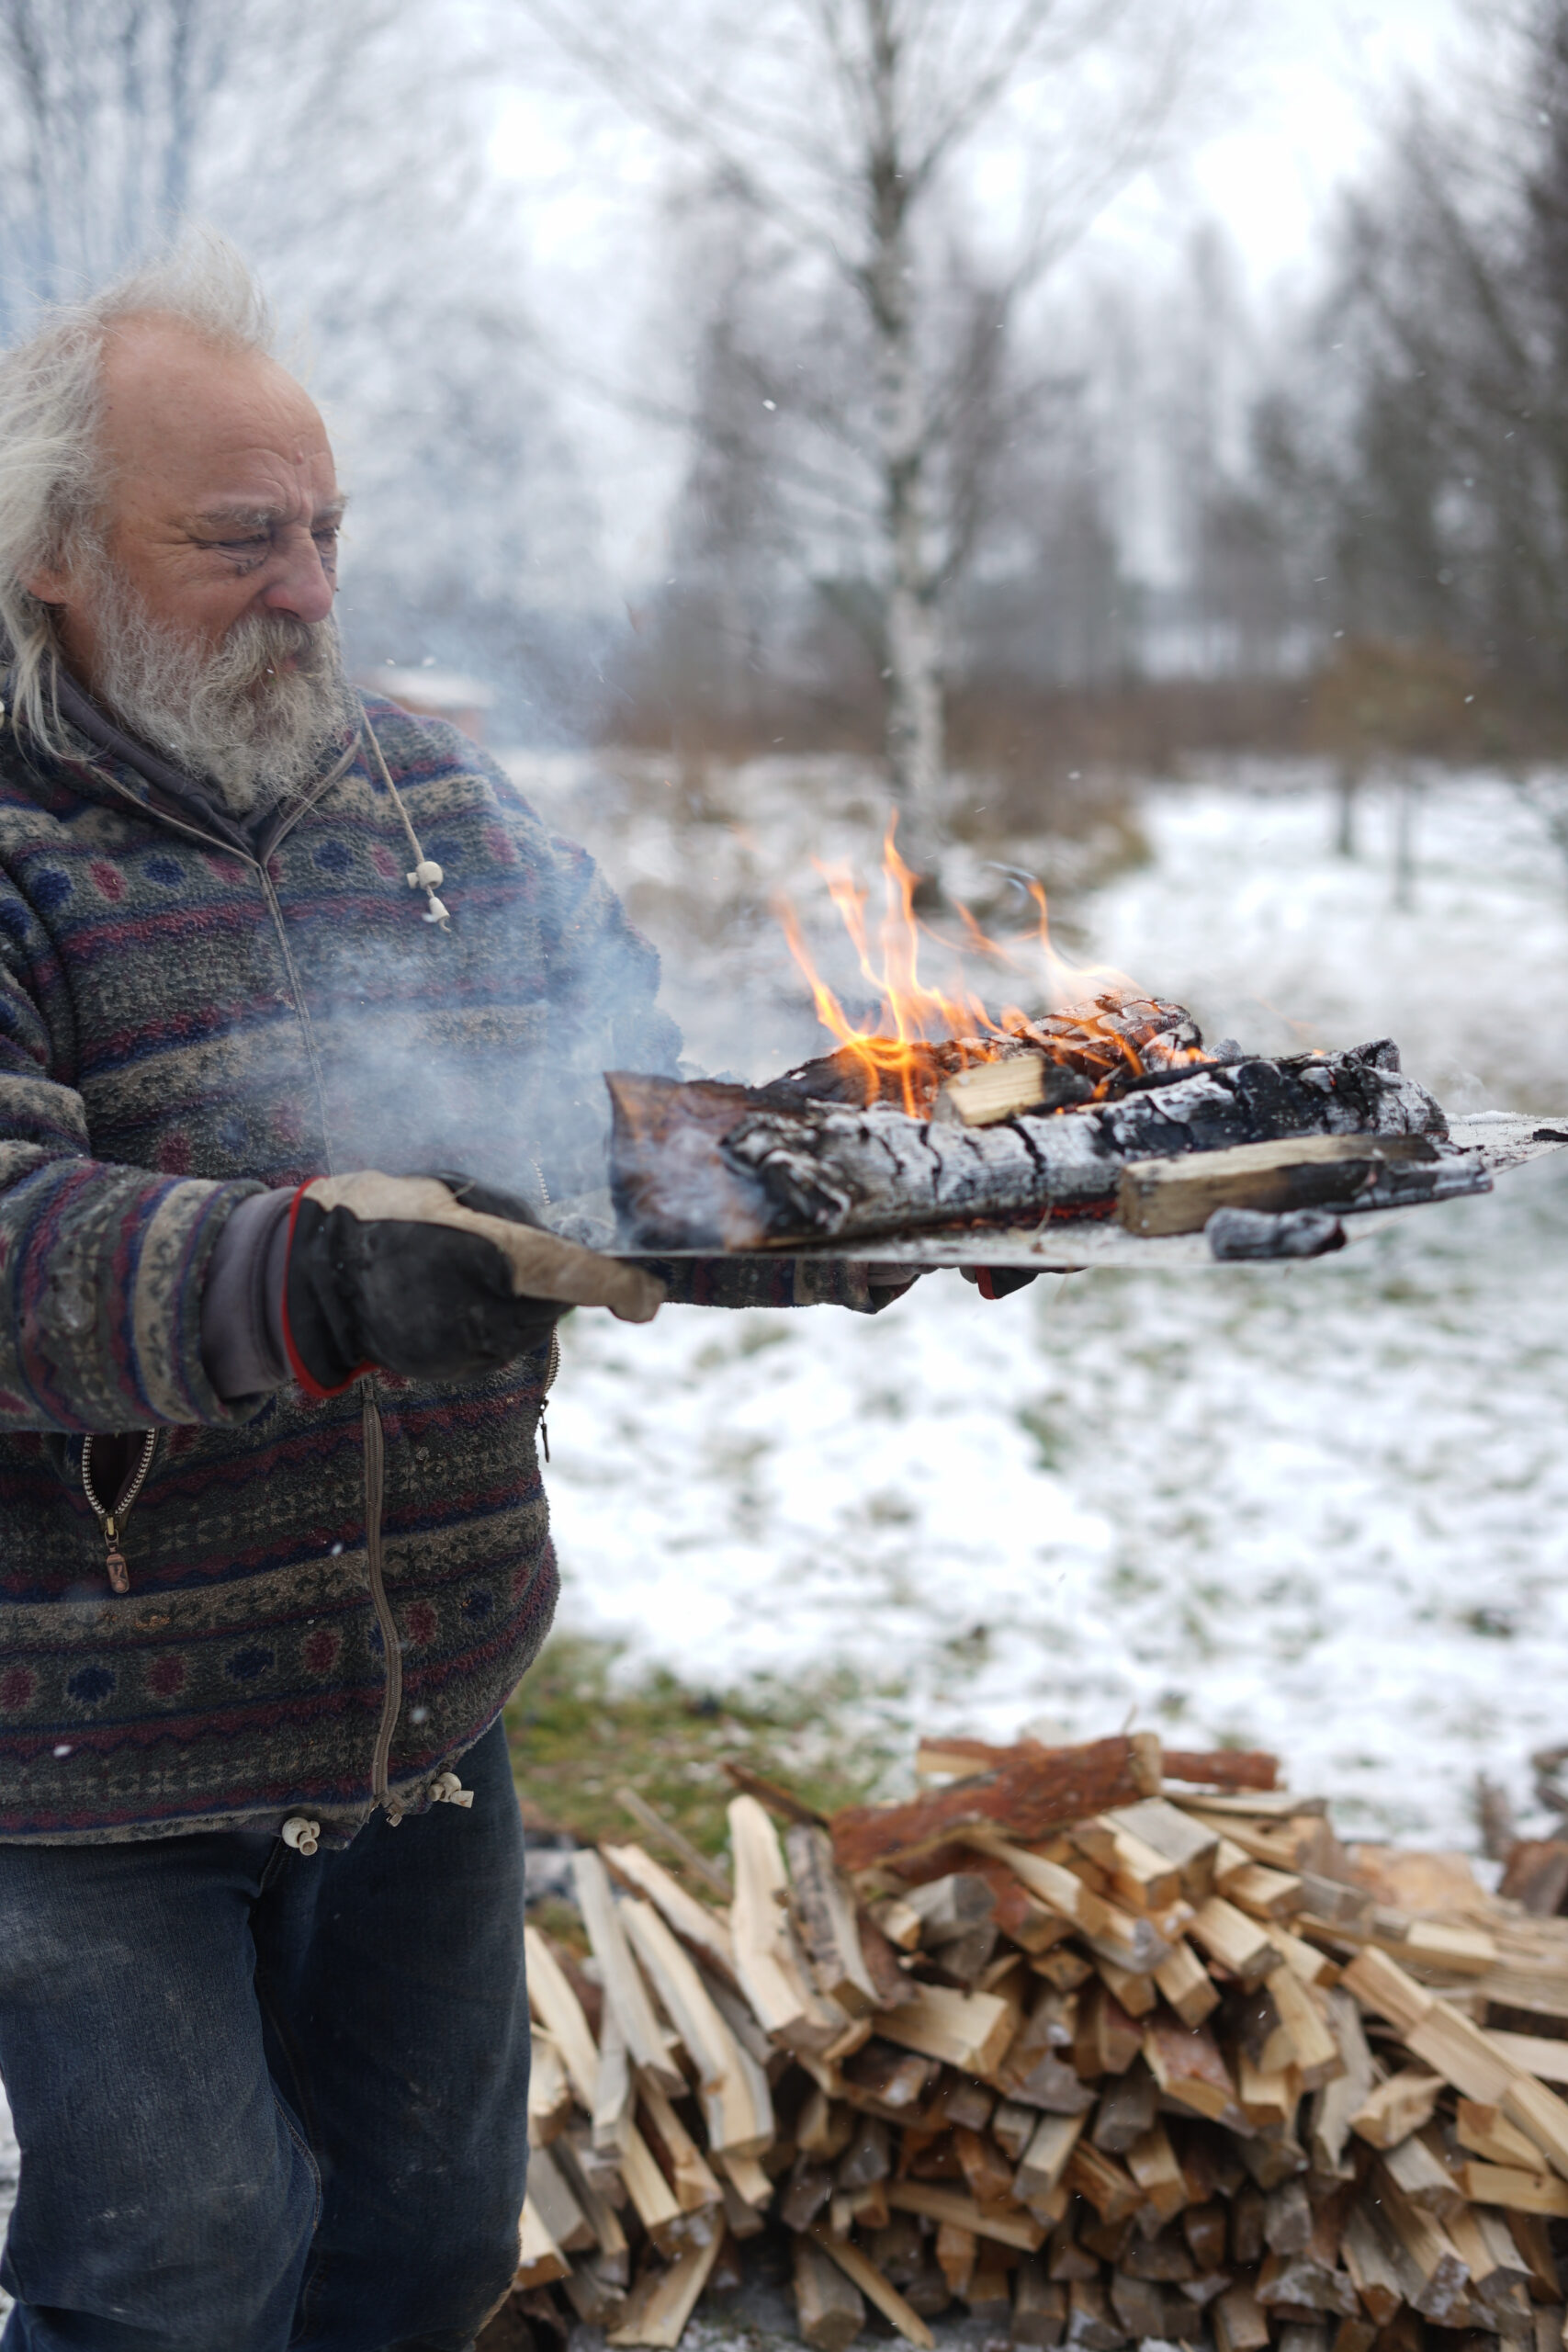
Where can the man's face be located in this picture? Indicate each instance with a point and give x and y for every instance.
(202, 616)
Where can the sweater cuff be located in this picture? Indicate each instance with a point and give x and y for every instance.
(242, 1300)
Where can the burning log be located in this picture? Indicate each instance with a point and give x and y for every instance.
(704, 1166)
(1087, 2144)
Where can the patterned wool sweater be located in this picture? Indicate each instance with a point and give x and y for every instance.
(329, 1601)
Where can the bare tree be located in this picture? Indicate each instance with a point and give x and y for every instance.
(846, 129)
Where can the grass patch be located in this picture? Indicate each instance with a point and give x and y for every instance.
(581, 1725)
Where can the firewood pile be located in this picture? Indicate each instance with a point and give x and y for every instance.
(1094, 2045)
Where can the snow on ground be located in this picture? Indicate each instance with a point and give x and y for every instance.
(1322, 1507)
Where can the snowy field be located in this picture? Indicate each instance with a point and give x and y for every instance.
(1320, 1507)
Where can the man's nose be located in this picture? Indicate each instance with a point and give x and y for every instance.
(304, 585)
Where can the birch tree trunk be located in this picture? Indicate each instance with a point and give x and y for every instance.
(915, 718)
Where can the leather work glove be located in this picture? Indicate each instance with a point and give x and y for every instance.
(435, 1277)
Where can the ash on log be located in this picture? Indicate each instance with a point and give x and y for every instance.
(704, 1166)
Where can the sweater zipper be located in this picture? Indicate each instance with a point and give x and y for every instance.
(375, 1486)
(111, 1518)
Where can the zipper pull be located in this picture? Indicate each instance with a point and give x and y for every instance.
(120, 1574)
(544, 1432)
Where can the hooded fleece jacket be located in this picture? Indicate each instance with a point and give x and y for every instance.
(329, 1600)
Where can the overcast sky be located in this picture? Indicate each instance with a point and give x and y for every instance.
(1301, 86)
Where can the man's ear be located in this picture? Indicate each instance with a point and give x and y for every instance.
(51, 584)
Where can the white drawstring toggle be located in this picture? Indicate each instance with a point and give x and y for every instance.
(436, 912)
(449, 1789)
(302, 1835)
(426, 876)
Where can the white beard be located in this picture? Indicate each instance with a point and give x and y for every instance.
(259, 730)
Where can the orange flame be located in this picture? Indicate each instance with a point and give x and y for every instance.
(923, 1033)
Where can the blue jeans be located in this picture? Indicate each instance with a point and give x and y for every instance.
(266, 2099)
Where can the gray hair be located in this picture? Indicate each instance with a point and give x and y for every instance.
(52, 476)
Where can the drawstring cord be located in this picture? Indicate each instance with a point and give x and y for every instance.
(426, 876)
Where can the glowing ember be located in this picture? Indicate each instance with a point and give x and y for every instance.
(1098, 1033)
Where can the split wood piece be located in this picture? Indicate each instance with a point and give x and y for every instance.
(1264, 1804)
(830, 2311)
(945, 2205)
(1379, 2278)
(614, 2090)
(1046, 2160)
(957, 2252)
(1404, 2104)
(1268, 2099)
(1436, 2261)
(1487, 2131)
(986, 2172)
(1419, 2169)
(734, 2126)
(603, 2219)
(1451, 2044)
(693, 2183)
(560, 2011)
(653, 2200)
(625, 1993)
(707, 1931)
(1130, 1941)
(1266, 1893)
(1186, 1844)
(770, 1794)
(1303, 2012)
(1536, 1874)
(1141, 1877)
(1347, 1908)
(1453, 1951)
(714, 1875)
(1185, 2062)
(539, 2260)
(987, 1093)
(1127, 2108)
(1092, 2326)
(557, 2207)
(1305, 1960)
(1152, 2162)
(549, 2090)
(1338, 1172)
(1033, 1793)
(1138, 1994)
(1237, 1943)
(1105, 2039)
(899, 1921)
(1241, 2324)
(1038, 2307)
(1186, 1984)
(746, 2176)
(1541, 2116)
(950, 1905)
(1107, 2186)
(969, 2031)
(826, 1910)
(862, 2272)
(597, 2301)
(1533, 2053)
(767, 1960)
(1520, 2192)
(664, 2300)
(959, 1757)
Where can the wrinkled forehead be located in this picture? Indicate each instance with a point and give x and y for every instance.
(187, 423)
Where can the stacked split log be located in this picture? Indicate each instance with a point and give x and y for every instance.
(1092, 2044)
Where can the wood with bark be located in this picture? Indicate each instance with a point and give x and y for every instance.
(825, 1907)
(705, 1165)
(1037, 1791)
(830, 2311)
(1339, 1173)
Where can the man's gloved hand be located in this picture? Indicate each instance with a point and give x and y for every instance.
(438, 1278)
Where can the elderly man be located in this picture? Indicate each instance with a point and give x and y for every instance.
(272, 1546)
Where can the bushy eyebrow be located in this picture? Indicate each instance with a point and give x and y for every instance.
(267, 518)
